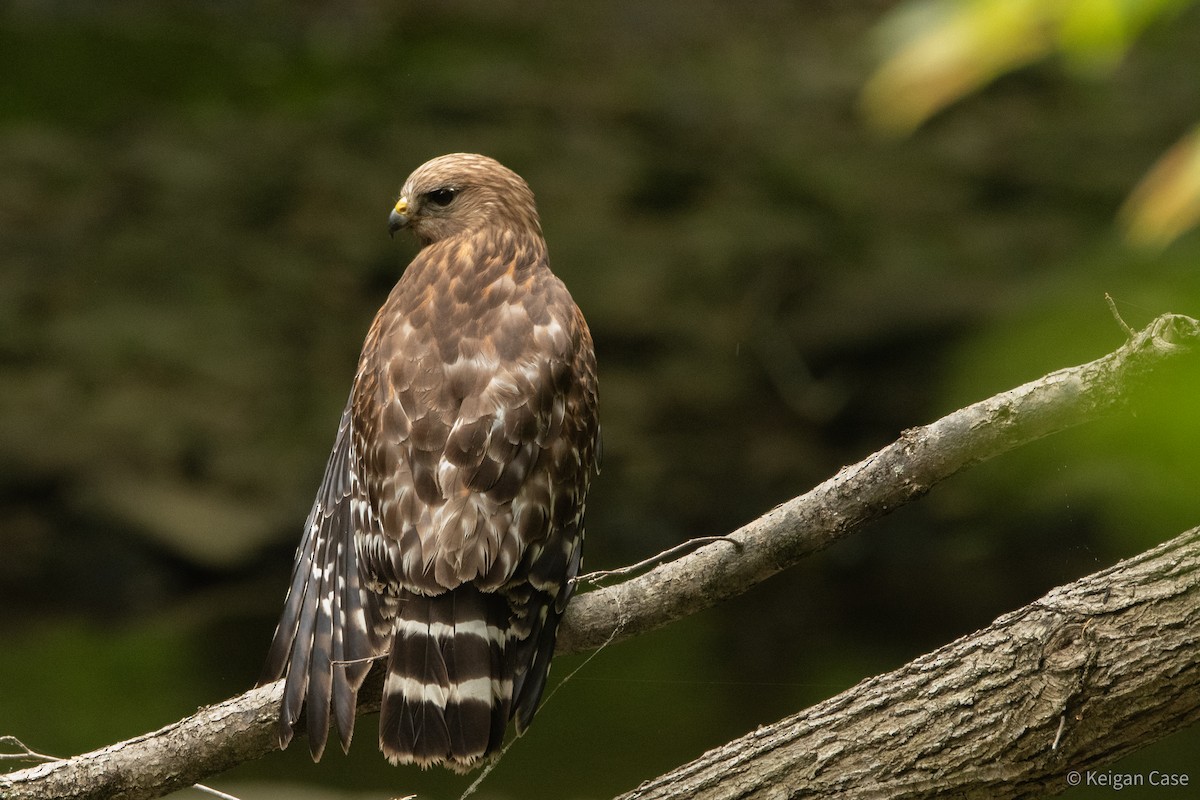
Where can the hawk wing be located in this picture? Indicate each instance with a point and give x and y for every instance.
(326, 636)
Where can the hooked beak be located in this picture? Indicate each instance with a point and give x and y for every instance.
(399, 217)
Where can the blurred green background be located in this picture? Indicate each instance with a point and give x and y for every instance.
(193, 205)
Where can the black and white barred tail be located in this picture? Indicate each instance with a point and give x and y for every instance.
(462, 664)
(448, 691)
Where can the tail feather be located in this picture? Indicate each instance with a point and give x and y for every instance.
(447, 695)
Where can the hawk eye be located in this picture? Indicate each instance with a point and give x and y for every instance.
(441, 197)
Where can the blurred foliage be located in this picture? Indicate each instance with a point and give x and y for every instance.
(938, 51)
(1167, 201)
(193, 204)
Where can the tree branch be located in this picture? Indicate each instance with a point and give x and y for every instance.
(243, 728)
(877, 485)
(1094, 670)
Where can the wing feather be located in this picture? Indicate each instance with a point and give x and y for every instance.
(328, 618)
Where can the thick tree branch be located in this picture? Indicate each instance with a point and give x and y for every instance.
(243, 728)
(1092, 671)
(900, 472)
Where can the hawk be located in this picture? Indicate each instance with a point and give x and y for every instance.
(448, 528)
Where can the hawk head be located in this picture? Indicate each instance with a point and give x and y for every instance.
(459, 194)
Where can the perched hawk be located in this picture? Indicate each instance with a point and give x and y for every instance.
(447, 531)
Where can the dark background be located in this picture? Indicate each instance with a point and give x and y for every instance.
(193, 206)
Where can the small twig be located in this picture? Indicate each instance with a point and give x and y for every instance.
(214, 792)
(364, 660)
(1062, 723)
(487, 770)
(594, 578)
(1112, 306)
(26, 754)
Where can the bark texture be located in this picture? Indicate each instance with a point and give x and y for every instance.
(242, 728)
(1088, 673)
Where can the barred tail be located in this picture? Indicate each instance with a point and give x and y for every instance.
(448, 693)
